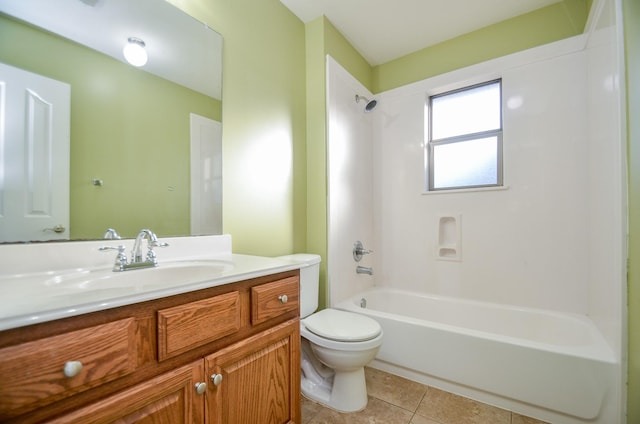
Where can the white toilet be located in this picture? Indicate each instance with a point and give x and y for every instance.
(336, 345)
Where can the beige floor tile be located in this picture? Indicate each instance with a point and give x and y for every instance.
(521, 419)
(448, 408)
(395, 390)
(309, 409)
(376, 412)
(417, 419)
(391, 400)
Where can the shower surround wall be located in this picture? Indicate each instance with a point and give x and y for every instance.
(552, 238)
(350, 173)
(527, 244)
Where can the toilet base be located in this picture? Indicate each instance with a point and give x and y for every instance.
(347, 394)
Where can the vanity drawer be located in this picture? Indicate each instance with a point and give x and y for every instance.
(43, 371)
(185, 327)
(273, 299)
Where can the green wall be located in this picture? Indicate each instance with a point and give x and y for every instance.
(117, 124)
(316, 160)
(264, 123)
(322, 38)
(631, 10)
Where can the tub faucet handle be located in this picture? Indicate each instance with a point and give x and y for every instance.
(359, 251)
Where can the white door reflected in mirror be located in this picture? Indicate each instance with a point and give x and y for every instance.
(34, 156)
(206, 176)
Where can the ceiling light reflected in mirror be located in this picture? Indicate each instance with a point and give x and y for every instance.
(105, 26)
(134, 52)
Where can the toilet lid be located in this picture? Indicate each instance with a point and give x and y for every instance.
(342, 326)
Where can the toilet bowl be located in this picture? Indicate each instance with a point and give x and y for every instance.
(336, 345)
(342, 352)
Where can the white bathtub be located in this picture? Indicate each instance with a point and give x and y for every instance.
(534, 358)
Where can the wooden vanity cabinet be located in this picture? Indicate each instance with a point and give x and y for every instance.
(258, 379)
(225, 355)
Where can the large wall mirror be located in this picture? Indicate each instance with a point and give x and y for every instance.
(143, 143)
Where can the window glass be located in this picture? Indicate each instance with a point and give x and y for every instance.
(466, 164)
(465, 138)
(466, 111)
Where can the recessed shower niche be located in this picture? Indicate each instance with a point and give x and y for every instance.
(449, 238)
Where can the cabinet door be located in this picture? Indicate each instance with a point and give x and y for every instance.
(258, 379)
(168, 398)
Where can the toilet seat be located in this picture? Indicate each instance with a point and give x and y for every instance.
(341, 346)
(342, 326)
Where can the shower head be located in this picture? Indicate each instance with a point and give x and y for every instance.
(370, 104)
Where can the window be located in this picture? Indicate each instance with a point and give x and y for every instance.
(465, 138)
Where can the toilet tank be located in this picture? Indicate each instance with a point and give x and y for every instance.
(309, 280)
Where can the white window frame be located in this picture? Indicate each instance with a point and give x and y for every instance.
(431, 143)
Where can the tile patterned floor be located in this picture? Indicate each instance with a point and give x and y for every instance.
(395, 400)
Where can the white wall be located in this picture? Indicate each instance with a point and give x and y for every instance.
(526, 245)
(538, 243)
(606, 129)
(607, 209)
(350, 171)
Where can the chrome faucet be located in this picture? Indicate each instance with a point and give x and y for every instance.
(137, 262)
(152, 241)
(111, 234)
(364, 270)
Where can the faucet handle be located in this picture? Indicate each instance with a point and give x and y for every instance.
(120, 248)
(151, 255)
(121, 258)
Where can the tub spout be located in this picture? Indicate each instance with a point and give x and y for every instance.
(364, 270)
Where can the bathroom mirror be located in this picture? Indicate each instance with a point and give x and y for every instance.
(145, 142)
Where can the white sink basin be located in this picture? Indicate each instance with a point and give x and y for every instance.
(76, 278)
(132, 281)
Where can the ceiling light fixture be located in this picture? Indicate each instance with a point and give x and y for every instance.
(135, 52)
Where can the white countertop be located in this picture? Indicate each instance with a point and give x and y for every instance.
(35, 294)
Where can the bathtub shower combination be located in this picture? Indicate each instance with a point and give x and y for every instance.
(534, 360)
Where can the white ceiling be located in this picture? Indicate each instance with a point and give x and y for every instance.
(383, 30)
